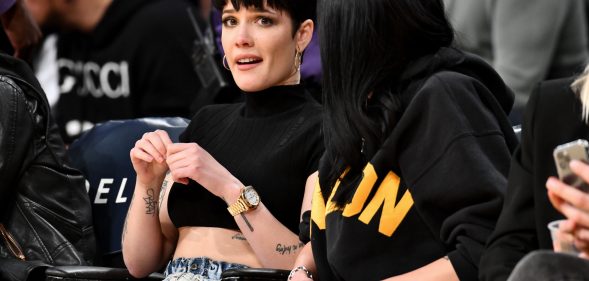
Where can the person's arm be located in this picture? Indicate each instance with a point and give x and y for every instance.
(274, 244)
(21, 29)
(438, 270)
(304, 262)
(145, 248)
(266, 234)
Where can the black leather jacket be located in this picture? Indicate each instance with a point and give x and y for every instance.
(44, 205)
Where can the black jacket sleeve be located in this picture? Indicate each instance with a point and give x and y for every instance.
(16, 128)
(516, 233)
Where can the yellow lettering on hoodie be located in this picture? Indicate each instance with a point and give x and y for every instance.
(368, 179)
(386, 196)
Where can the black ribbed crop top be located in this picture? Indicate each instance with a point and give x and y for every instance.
(272, 141)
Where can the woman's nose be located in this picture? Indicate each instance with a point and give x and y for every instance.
(244, 38)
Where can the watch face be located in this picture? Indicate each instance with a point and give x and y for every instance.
(251, 196)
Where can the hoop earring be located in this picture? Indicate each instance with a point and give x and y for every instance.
(225, 63)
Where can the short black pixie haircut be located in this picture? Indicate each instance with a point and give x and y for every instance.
(298, 10)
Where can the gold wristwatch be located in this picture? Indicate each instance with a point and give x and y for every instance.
(248, 200)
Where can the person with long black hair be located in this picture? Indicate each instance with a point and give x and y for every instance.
(418, 147)
(241, 173)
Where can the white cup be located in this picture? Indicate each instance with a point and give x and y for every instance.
(561, 242)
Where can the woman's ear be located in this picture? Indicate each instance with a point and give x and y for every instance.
(304, 34)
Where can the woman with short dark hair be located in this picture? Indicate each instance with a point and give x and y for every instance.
(242, 172)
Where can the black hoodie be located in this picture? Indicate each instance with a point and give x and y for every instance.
(434, 188)
(137, 62)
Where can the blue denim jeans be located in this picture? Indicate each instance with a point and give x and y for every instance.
(197, 269)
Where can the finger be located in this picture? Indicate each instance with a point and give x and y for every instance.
(148, 144)
(582, 234)
(174, 155)
(567, 226)
(166, 140)
(182, 162)
(178, 147)
(184, 172)
(157, 142)
(581, 245)
(183, 181)
(576, 215)
(555, 199)
(580, 169)
(179, 176)
(568, 193)
(178, 173)
(139, 154)
(190, 152)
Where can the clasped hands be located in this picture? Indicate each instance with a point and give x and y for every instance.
(155, 153)
(574, 205)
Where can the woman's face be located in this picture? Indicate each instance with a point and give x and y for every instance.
(260, 48)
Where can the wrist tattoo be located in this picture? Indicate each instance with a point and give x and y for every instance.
(238, 236)
(150, 203)
(163, 192)
(247, 222)
(288, 249)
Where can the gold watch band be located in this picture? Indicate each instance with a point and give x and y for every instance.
(237, 207)
(242, 204)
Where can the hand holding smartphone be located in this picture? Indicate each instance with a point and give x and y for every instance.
(563, 154)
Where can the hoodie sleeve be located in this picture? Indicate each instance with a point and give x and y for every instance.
(455, 163)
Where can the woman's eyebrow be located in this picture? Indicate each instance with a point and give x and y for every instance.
(258, 10)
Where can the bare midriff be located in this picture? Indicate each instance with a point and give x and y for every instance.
(215, 243)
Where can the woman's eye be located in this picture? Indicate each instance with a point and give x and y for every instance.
(265, 21)
(229, 22)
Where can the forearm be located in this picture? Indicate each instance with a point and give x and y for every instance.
(438, 270)
(305, 259)
(142, 239)
(274, 244)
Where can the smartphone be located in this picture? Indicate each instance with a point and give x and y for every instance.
(563, 154)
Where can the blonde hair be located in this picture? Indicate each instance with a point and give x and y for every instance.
(581, 88)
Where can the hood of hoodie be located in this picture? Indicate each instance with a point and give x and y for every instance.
(499, 100)
(451, 59)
